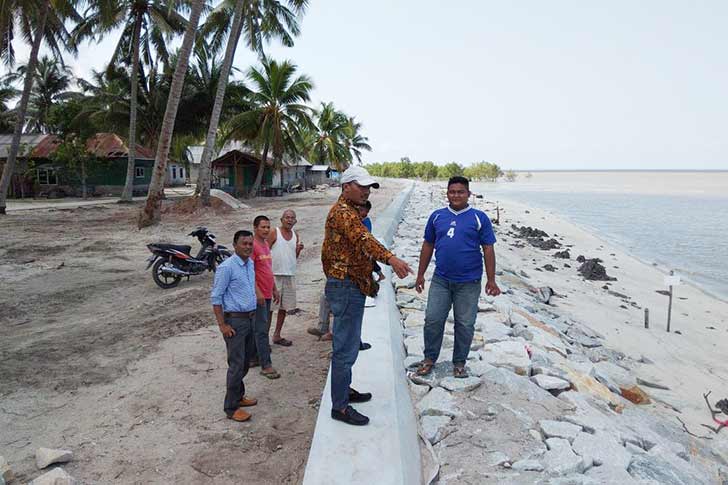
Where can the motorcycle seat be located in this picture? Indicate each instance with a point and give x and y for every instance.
(176, 247)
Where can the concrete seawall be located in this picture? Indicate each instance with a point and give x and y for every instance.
(387, 450)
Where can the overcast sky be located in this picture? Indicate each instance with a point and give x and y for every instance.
(563, 84)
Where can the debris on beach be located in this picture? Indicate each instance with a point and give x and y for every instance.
(562, 254)
(592, 270)
(535, 237)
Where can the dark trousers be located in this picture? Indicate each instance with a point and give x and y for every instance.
(261, 349)
(239, 347)
(347, 305)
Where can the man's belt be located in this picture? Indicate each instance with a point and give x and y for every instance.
(240, 314)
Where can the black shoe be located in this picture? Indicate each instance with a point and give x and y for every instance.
(355, 396)
(364, 346)
(350, 416)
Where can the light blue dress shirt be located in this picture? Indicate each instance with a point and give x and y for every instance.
(234, 286)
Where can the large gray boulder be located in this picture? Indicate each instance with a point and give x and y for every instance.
(456, 384)
(602, 449)
(551, 383)
(47, 456)
(559, 429)
(57, 476)
(662, 471)
(610, 475)
(493, 330)
(438, 402)
(560, 459)
(434, 427)
(510, 354)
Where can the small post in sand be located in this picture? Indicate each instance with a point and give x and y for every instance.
(670, 281)
(647, 318)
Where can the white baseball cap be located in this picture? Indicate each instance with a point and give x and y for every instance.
(359, 175)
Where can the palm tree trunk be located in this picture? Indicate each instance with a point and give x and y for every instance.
(128, 193)
(150, 214)
(22, 109)
(205, 174)
(259, 176)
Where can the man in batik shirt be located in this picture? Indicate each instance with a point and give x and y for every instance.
(347, 254)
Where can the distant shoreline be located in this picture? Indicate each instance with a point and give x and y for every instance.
(623, 170)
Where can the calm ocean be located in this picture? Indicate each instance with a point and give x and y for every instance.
(678, 220)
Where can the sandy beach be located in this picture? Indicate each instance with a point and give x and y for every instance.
(690, 362)
(96, 359)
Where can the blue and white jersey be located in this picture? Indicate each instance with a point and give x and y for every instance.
(458, 237)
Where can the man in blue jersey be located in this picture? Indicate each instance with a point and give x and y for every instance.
(456, 234)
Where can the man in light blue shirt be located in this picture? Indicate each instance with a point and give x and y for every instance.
(234, 304)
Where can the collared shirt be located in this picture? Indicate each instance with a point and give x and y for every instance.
(234, 286)
(348, 247)
(458, 237)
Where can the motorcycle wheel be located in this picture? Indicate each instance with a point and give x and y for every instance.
(164, 280)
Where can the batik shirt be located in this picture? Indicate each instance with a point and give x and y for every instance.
(348, 247)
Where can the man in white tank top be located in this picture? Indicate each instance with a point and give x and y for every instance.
(285, 246)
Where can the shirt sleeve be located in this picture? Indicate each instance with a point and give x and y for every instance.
(367, 223)
(220, 284)
(487, 236)
(351, 227)
(430, 229)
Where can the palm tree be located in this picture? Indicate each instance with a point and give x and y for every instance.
(38, 21)
(331, 142)
(51, 84)
(151, 212)
(146, 26)
(260, 20)
(355, 140)
(277, 115)
(7, 94)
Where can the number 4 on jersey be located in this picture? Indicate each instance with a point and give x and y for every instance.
(451, 232)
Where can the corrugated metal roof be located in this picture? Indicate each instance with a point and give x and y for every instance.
(320, 168)
(29, 141)
(103, 145)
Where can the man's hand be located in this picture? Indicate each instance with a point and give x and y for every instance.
(276, 296)
(420, 283)
(492, 289)
(401, 268)
(227, 330)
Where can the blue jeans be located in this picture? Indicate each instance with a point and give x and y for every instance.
(463, 298)
(261, 328)
(347, 305)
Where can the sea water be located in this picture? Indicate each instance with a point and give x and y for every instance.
(677, 220)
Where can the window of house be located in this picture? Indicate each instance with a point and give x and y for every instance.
(139, 172)
(47, 176)
(181, 172)
(174, 172)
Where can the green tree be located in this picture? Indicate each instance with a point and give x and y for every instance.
(426, 170)
(331, 145)
(277, 114)
(74, 161)
(259, 20)
(451, 169)
(151, 212)
(37, 20)
(355, 140)
(146, 26)
(7, 93)
(51, 86)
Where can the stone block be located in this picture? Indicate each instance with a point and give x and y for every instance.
(434, 427)
(47, 456)
(57, 476)
(560, 459)
(455, 384)
(559, 429)
(662, 471)
(602, 449)
(511, 354)
(438, 402)
(636, 395)
(527, 466)
(550, 383)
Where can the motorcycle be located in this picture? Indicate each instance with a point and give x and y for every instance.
(171, 262)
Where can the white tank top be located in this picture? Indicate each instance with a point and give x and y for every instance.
(283, 253)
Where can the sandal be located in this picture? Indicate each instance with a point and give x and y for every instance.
(270, 375)
(425, 367)
(283, 342)
(460, 372)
